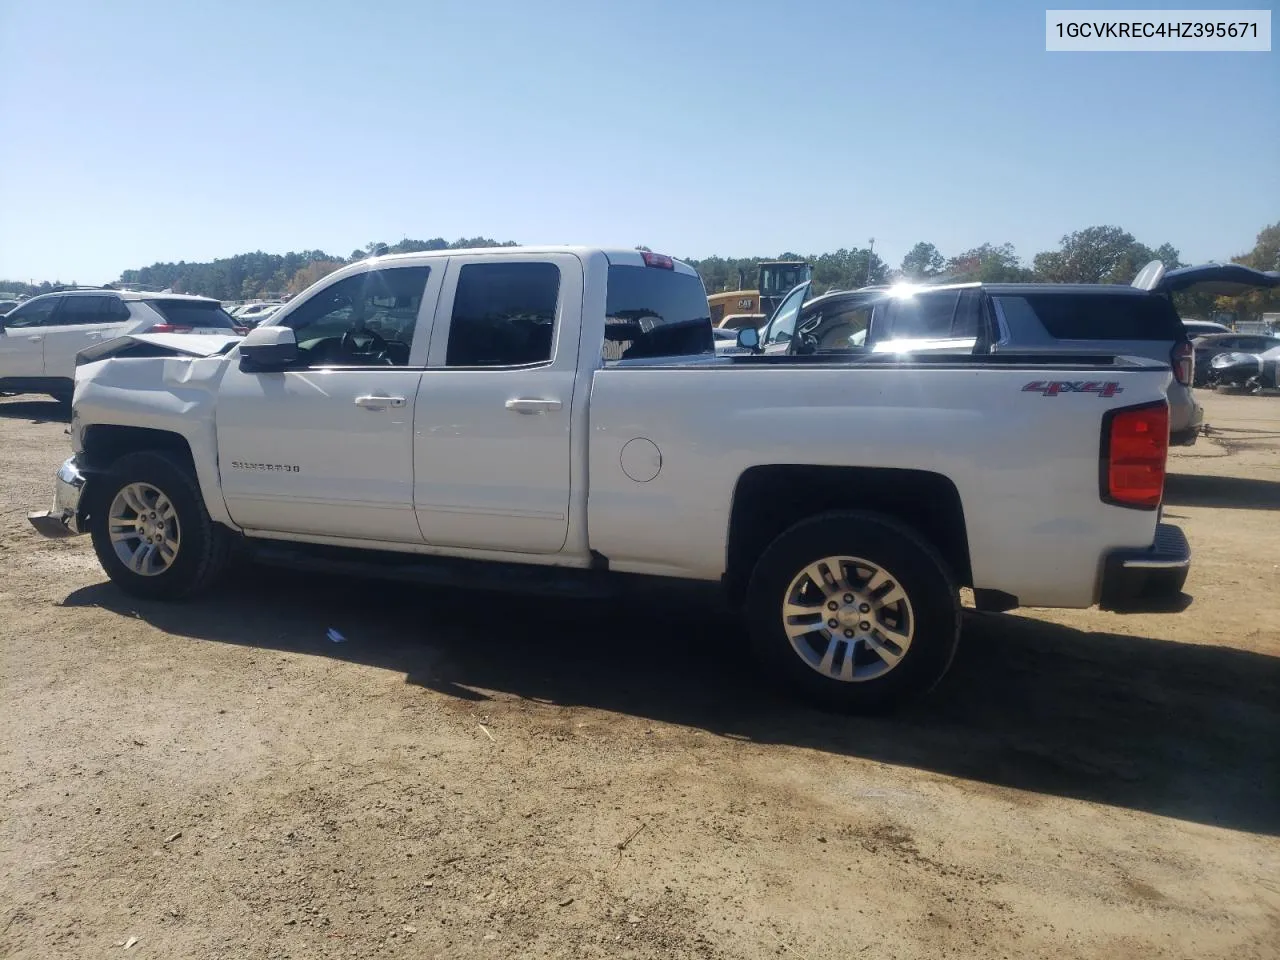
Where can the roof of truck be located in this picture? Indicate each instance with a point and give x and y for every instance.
(616, 255)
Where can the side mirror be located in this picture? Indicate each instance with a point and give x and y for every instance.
(265, 349)
(749, 339)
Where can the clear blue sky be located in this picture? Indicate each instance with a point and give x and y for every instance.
(181, 130)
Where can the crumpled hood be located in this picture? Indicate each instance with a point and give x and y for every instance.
(174, 344)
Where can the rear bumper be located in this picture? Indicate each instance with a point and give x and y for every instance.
(1149, 579)
(64, 519)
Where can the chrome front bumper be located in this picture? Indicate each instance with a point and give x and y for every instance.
(63, 519)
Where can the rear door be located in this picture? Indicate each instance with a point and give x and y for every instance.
(492, 426)
(22, 340)
(81, 321)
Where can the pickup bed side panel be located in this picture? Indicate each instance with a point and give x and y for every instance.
(1025, 463)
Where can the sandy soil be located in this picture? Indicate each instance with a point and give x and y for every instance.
(469, 775)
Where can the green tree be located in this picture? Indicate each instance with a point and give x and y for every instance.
(922, 262)
(313, 271)
(1265, 256)
(988, 263)
(1100, 255)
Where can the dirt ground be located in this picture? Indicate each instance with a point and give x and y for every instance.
(471, 775)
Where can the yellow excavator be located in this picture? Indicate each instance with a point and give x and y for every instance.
(776, 277)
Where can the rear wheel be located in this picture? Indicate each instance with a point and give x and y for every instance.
(151, 531)
(855, 611)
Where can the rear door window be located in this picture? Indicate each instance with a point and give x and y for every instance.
(922, 316)
(930, 315)
(653, 312)
(81, 311)
(504, 315)
(194, 314)
(1097, 316)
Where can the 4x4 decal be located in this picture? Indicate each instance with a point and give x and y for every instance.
(1051, 388)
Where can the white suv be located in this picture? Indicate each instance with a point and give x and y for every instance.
(39, 340)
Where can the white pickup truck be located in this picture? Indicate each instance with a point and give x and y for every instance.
(558, 416)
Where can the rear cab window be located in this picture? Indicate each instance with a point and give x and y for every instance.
(655, 312)
(1096, 316)
(193, 314)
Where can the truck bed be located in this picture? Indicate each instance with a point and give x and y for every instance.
(995, 427)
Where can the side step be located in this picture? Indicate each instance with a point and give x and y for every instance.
(565, 582)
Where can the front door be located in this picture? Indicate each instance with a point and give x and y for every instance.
(326, 448)
(492, 450)
(781, 328)
(22, 339)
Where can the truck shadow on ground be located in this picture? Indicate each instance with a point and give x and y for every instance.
(1200, 490)
(1175, 729)
(36, 411)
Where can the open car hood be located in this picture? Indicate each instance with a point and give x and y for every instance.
(1220, 279)
(159, 345)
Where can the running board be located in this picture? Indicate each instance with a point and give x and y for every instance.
(566, 582)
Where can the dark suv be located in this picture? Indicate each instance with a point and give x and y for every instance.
(1135, 320)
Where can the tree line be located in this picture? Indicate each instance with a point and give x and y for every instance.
(1099, 254)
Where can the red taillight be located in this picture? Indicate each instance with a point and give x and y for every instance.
(240, 331)
(1135, 449)
(657, 260)
(1183, 359)
(168, 328)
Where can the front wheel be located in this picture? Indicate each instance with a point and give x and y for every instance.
(151, 531)
(854, 610)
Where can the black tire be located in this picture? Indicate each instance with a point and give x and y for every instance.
(911, 560)
(204, 545)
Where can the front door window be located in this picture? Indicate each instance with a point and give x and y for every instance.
(365, 320)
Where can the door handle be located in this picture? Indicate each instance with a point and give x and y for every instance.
(532, 405)
(35, 339)
(370, 402)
